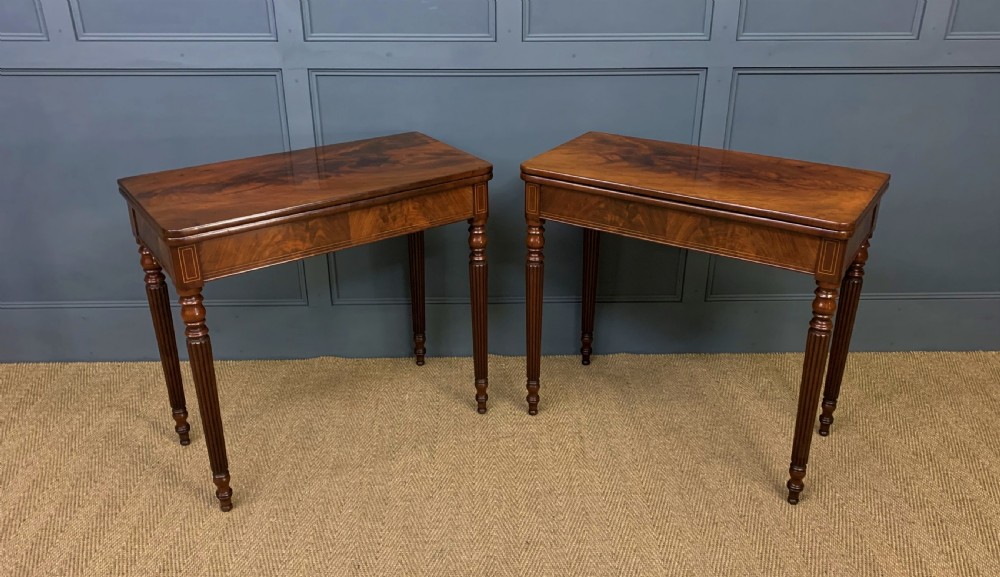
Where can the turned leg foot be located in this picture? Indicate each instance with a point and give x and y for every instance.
(534, 274)
(415, 243)
(199, 346)
(166, 341)
(223, 492)
(591, 248)
(477, 286)
(817, 347)
(795, 484)
(850, 294)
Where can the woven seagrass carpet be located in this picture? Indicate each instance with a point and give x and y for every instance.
(636, 465)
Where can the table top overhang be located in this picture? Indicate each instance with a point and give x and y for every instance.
(199, 199)
(818, 195)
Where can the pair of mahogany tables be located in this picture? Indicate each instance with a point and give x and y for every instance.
(207, 222)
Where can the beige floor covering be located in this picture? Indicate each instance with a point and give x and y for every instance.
(637, 465)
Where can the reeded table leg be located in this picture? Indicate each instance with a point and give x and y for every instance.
(477, 287)
(535, 269)
(591, 250)
(817, 346)
(163, 326)
(199, 347)
(415, 243)
(850, 293)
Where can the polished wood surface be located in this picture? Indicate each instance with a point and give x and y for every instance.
(850, 295)
(534, 278)
(800, 216)
(217, 220)
(198, 199)
(199, 346)
(166, 341)
(478, 293)
(591, 256)
(800, 192)
(415, 246)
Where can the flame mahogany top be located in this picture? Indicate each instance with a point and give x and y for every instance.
(198, 199)
(818, 195)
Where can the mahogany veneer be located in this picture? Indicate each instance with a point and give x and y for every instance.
(807, 217)
(206, 222)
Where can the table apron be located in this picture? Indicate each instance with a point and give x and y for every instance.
(220, 256)
(711, 233)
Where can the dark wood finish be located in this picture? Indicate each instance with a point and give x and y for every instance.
(199, 346)
(415, 244)
(166, 341)
(801, 216)
(207, 222)
(817, 346)
(477, 288)
(800, 192)
(199, 199)
(591, 256)
(534, 275)
(850, 294)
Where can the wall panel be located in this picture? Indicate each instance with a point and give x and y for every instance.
(399, 20)
(61, 158)
(109, 88)
(22, 20)
(596, 20)
(173, 19)
(826, 20)
(911, 123)
(506, 117)
(974, 19)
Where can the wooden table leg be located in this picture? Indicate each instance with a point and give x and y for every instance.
(166, 341)
(415, 243)
(817, 347)
(847, 309)
(535, 272)
(199, 346)
(477, 287)
(591, 251)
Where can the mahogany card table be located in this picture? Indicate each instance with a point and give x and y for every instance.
(207, 222)
(811, 218)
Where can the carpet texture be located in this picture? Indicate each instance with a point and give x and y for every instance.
(636, 465)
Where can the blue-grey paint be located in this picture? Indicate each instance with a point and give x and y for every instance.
(21, 20)
(110, 88)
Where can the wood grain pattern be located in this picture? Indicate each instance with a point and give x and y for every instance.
(333, 229)
(192, 200)
(800, 216)
(794, 191)
(671, 223)
(222, 219)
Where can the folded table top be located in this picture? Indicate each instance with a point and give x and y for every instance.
(818, 195)
(199, 199)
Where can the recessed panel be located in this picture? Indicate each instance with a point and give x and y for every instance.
(398, 19)
(21, 20)
(619, 20)
(975, 18)
(173, 19)
(937, 133)
(765, 19)
(64, 141)
(506, 118)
